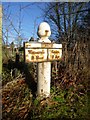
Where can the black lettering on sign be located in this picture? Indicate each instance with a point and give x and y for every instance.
(57, 57)
(37, 57)
(55, 51)
(32, 57)
(41, 57)
(29, 51)
(46, 45)
(36, 52)
(52, 56)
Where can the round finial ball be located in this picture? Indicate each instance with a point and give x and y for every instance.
(44, 30)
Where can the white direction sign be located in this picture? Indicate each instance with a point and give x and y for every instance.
(40, 52)
(35, 55)
(54, 54)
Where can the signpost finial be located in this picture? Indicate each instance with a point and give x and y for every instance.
(44, 30)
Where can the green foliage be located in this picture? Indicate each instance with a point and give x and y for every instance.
(6, 76)
(63, 104)
(68, 98)
(36, 102)
(58, 99)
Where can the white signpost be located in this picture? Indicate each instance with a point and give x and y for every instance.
(43, 52)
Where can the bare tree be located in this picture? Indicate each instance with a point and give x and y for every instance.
(64, 18)
(8, 24)
(11, 29)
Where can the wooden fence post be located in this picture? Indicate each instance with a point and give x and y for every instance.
(0, 59)
(0, 39)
